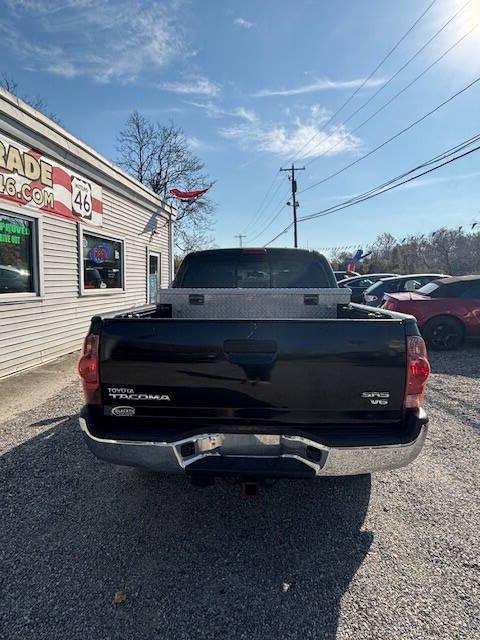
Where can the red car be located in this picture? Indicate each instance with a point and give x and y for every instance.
(446, 310)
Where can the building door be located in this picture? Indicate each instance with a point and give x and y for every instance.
(153, 283)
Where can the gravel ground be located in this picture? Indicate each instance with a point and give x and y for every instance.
(90, 551)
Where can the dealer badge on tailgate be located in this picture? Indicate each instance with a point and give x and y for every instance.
(123, 412)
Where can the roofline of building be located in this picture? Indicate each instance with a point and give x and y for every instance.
(52, 139)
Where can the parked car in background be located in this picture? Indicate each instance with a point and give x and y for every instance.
(446, 310)
(373, 296)
(341, 275)
(359, 284)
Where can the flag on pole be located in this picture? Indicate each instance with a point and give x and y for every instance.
(187, 196)
(355, 259)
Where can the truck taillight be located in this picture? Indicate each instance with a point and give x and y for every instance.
(88, 368)
(418, 370)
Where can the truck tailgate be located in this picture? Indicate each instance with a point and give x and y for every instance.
(245, 372)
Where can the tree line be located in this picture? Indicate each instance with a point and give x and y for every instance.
(450, 251)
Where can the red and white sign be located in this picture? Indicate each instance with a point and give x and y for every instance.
(33, 181)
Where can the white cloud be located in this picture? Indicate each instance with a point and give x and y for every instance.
(246, 114)
(214, 111)
(211, 109)
(100, 39)
(245, 24)
(199, 145)
(323, 84)
(198, 86)
(308, 138)
(62, 68)
(47, 6)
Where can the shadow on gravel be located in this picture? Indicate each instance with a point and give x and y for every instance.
(194, 563)
(47, 421)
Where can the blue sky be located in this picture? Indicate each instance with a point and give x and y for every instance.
(251, 83)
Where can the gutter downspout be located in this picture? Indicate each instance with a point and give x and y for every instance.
(170, 249)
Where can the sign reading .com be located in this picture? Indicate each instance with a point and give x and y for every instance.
(39, 197)
(33, 181)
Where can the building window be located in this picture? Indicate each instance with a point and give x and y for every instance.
(17, 255)
(102, 263)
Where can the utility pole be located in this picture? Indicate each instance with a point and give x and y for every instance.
(294, 202)
(240, 237)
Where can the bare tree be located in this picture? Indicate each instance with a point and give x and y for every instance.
(137, 147)
(11, 85)
(340, 259)
(160, 157)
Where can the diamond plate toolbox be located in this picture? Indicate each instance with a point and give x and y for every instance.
(254, 304)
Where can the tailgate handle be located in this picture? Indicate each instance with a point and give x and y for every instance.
(250, 352)
(196, 298)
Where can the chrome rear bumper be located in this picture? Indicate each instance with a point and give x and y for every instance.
(239, 450)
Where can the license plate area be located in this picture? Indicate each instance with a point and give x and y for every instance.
(254, 445)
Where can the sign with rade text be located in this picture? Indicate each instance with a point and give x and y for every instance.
(33, 181)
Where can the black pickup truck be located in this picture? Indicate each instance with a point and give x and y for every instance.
(285, 387)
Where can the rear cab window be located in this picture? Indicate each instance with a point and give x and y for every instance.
(276, 268)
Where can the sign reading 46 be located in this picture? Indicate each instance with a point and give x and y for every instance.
(81, 198)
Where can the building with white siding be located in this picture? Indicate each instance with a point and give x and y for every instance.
(78, 236)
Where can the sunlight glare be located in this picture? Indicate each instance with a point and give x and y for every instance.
(464, 56)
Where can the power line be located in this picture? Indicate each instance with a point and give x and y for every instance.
(277, 208)
(415, 55)
(411, 59)
(389, 185)
(257, 214)
(394, 186)
(375, 113)
(396, 135)
(369, 77)
(268, 205)
(275, 216)
(240, 238)
(379, 188)
(392, 183)
(441, 156)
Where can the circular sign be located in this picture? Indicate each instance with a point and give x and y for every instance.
(100, 253)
